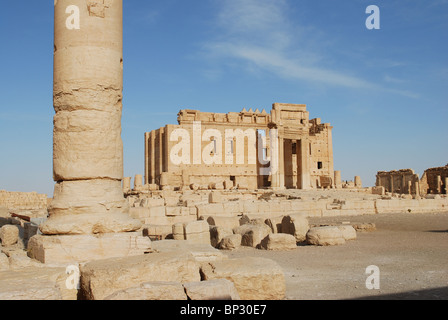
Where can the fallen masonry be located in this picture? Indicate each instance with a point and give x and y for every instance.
(190, 256)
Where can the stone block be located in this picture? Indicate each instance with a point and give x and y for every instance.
(379, 190)
(173, 211)
(215, 197)
(178, 231)
(195, 231)
(139, 213)
(158, 290)
(157, 231)
(231, 208)
(218, 233)
(252, 234)
(230, 242)
(200, 252)
(18, 259)
(73, 249)
(225, 222)
(254, 278)
(4, 262)
(325, 236)
(9, 235)
(275, 223)
(364, 227)
(211, 209)
(217, 289)
(279, 241)
(348, 232)
(296, 225)
(102, 278)
(36, 284)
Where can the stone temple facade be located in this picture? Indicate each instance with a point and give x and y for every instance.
(246, 150)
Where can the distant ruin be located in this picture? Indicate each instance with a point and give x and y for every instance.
(406, 181)
(239, 149)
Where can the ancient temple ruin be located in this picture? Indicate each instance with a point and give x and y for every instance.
(406, 181)
(246, 150)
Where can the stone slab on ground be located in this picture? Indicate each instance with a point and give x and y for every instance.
(230, 242)
(296, 225)
(252, 234)
(36, 284)
(348, 232)
(279, 241)
(4, 262)
(157, 290)
(201, 252)
(325, 236)
(102, 278)
(217, 233)
(18, 259)
(72, 249)
(254, 278)
(217, 289)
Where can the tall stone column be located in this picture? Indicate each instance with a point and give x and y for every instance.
(87, 98)
(337, 180)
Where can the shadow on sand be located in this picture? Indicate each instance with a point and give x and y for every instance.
(426, 294)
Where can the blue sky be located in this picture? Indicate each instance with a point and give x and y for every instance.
(384, 91)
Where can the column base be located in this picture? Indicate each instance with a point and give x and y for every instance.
(74, 249)
(76, 224)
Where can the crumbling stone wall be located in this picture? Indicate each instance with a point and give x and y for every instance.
(435, 181)
(23, 200)
(403, 181)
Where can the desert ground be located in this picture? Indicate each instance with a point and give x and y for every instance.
(410, 250)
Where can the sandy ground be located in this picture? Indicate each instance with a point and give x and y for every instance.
(410, 250)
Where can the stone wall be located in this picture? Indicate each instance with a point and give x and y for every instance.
(435, 180)
(169, 207)
(403, 181)
(23, 200)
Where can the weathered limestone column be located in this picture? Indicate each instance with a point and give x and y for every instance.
(281, 163)
(417, 189)
(409, 187)
(305, 162)
(87, 98)
(337, 180)
(446, 185)
(358, 182)
(126, 184)
(138, 181)
(439, 184)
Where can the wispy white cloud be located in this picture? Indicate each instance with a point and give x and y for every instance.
(260, 33)
(390, 79)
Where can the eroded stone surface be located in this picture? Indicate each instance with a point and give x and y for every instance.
(325, 236)
(81, 248)
(254, 278)
(9, 235)
(279, 241)
(36, 284)
(102, 278)
(217, 289)
(157, 290)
